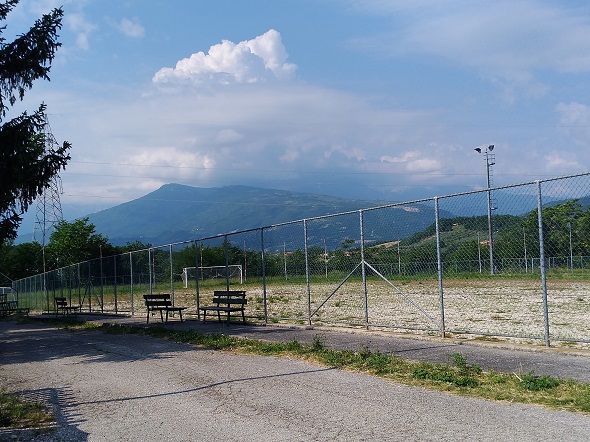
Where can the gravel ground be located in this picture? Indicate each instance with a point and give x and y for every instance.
(127, 388)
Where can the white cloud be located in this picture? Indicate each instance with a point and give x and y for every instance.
(131, 28)
(280, 134)
(348, 152)
(573, 115)
(412, 162)
(506, 41)
(81, 27)
(574, 120)
(44, 6)
(558, 161)
(226, 136)
(258, 60)
(403, 158)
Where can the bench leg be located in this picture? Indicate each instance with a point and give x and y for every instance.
(243, 316)
(180, 313)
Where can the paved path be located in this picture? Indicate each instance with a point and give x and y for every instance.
(127, 387)
(562, 363)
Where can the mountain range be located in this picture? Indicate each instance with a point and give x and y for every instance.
(176, 213)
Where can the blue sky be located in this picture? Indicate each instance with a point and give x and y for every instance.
(374, 98)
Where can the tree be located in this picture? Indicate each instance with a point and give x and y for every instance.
(28, 163)
(75, 242)
(22, 260)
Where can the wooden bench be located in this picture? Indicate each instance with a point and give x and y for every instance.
(226, 301)
(62, 305)
(163, 303)
(11, 307)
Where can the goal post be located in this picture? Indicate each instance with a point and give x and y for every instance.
(234, 271)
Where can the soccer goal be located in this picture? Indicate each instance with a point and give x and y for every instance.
(234, 271)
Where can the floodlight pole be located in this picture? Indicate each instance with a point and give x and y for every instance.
(490, 161)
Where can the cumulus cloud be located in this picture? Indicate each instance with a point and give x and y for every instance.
(413, 162)
(258, 60)
(279, 134)
(81, 27)
(131, 28)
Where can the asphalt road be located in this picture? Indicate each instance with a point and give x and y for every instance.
(135, 388)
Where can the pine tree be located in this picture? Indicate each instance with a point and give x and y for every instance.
(27, 162)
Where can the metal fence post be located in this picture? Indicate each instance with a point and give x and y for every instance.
(440, 269)
(542, 262)
(79, 286)
(115, 283)
(226, 252)
(150, 270)
(197, 294)
(364, 270)
(263, 276)
(171, 273)
(101, 285)
(131, 283)
(307, 279)
(90, 287)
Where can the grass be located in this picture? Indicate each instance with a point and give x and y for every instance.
(16, 412)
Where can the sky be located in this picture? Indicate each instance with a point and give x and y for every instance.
(372, 99)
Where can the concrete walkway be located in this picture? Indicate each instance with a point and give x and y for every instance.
(499, 356)
(106, 387)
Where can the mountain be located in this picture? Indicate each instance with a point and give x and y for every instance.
(175, 213)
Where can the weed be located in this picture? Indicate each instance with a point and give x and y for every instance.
(16, 412)
(537, 383)
(460, 373)
(294, 346)
(460, 362)
(317, 345)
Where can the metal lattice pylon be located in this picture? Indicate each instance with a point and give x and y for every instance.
(48, 212)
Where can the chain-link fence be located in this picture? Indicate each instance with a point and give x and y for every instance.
(510, 261)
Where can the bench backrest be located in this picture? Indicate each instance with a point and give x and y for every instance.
(156, 296)
(157, 303)
(61, 302)
(8, 305)
(229, 297)
(157, 300)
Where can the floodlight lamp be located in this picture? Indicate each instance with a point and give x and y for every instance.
(477, 149)
(491, 147)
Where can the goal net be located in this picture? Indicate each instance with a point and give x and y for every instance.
(234, 272)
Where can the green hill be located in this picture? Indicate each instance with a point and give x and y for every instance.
(176, 213)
